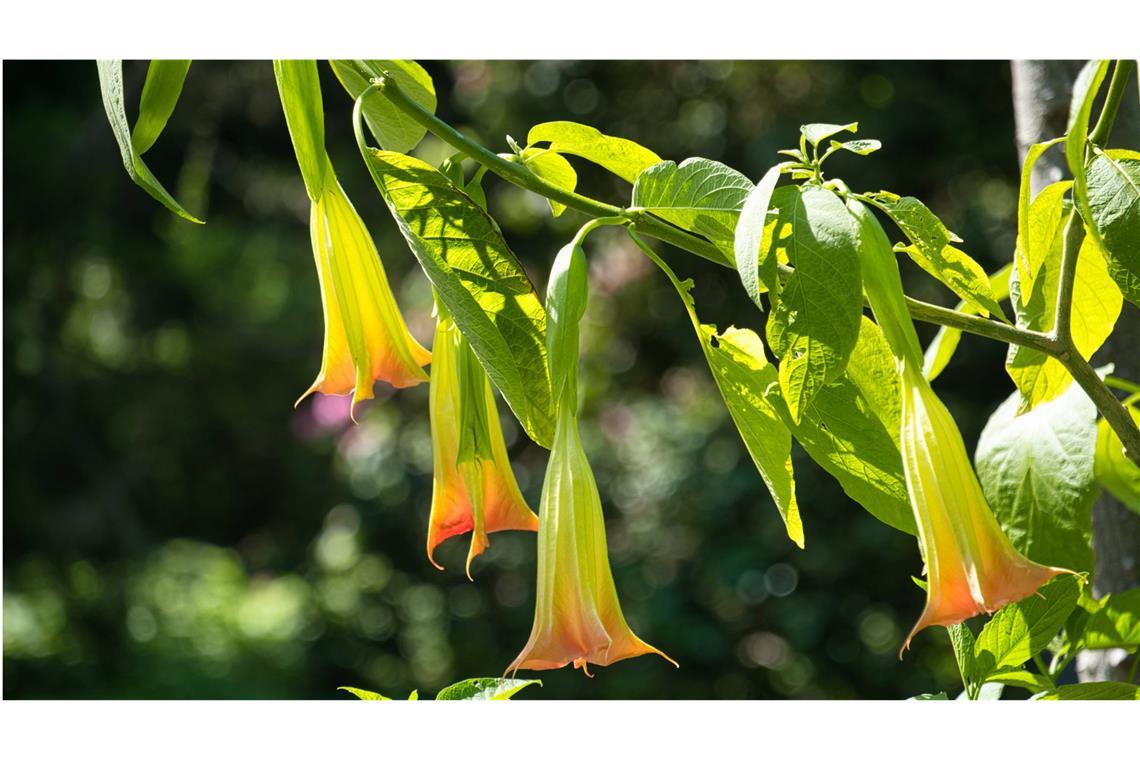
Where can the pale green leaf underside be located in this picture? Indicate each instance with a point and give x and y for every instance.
(485, 689)
(815, 320)
(1036, 470)
(478, 278)
(756, 274)
(814, 133)
(111, 84)
(391, 127)
(622, 157)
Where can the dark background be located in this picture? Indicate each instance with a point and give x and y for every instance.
(174, 528)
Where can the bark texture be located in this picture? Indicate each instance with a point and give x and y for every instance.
(1041, 94)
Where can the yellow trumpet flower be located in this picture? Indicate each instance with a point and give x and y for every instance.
(365, 336)
(971, 566)
(473, 486)
(577, 617)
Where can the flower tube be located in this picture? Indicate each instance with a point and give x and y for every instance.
(474, 488)
(577, 616)
(365, 336)
(971, 566)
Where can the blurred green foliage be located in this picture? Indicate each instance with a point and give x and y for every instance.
(174, 528)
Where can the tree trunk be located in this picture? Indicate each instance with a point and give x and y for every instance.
(1041, 94)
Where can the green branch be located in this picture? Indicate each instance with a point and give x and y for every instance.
(1120, 76)
(1058, 344)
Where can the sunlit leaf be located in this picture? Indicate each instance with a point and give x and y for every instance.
(757, 275)
(1116, 622)
(814, 133)
(1022, 679)
(1024, 273)
(1114, 205)
(860, 147)
(299, 85)
(391, 127)
(160, 94)
(815, 321)
(625, 158)
(483, 689)
(1114, 470)
(1097, 690)
(699, 195)
(111, 84)
(477, 277)
(364, 694)
(1085, 90)
(552, 168)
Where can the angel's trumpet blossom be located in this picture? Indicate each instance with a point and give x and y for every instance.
(474, 488)
(577, 617)
(365, 336)
(971, 566)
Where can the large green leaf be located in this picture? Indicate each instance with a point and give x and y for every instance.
(758, 272)
(1036, 470)
(1116, 622)
(1023, 679)
(815, 320)
(1114, 203)
(299, 85)
(750, 388)
(625, 158)
(1114, 470)
(941, 349)
(962, 642)
(160, 95)
(1085, 90)
(111, 84)
(1096, 299)
(477, 277)
(699, 195)
(483, 689)
(552, 168)
(391, 127)
(1098, 690)
(1022, 629)
(930, 248)
(852, 430)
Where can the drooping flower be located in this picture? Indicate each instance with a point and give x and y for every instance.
(577, 617)
(971, 565)
(474, 488)
(366, 338)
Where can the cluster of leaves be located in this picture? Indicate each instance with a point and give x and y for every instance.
(1062, 619)
(833, 387)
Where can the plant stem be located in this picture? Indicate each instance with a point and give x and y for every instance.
(1121, 384)
(1120, 76)
(1061, 349)
(1063, 319)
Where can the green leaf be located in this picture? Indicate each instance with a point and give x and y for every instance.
(814, 323)
(625, 158)
(1113, 469)
(1115, 624)
(987, 692)
(1022, 679)
(1036, 470)
(816, 132)
(391, 127)
(477, 277)
(750, 389)
(860, 147)
(1114, 208)
(962, 641)
(159, 96)
(945, 343)
(300, 88)
(552, 168)
(1098, 690)
(930, 248)
(1096, 300)
(758, 275)
(481, 689)
(364, 694)
(111, 85)
(1022, 629)
(699, 195)
(1085, 89)
(852, 430)
(1025, 275)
